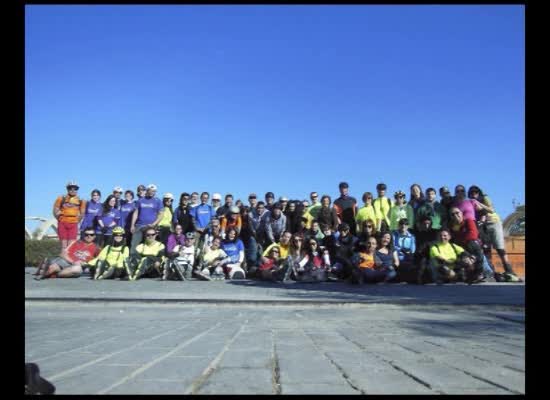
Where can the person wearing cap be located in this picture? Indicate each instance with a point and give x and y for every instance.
(117, 192)
(315, 206)
(232, 220)
(141, 190)
(181, 258)
(269, 200)
(382, 207)
(93, 210)
(72, 259)
(148, 257)
(346, 207)
(276, 224)
(405, 244)
(127, 208)
(69, 211)
(283, 202)
(109, 218)
(202, 214)
(446, 199)
(111, 261)
(165, 217)
(216, 201)
(366, 212)
(400, 210)
(146, 213)
(224, 210)
(252, 200)
(182, 214)
(433, 209)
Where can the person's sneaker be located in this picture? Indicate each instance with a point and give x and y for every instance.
(238, 275)
(332, 277)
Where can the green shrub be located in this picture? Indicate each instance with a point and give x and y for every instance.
(37, 250)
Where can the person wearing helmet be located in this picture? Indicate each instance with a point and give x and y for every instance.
(164, 219)
(231, 220)
(69, 211)
(145, 215)
(111, 262)
(181, 259)
(148, 258)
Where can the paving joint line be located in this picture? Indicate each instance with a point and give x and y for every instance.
(275, 369)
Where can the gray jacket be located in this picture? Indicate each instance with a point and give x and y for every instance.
(275, 227)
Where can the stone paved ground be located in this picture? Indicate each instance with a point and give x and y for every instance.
(390, 340)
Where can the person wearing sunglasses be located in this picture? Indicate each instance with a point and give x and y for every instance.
(69, 211)
(400, 210)
(315, 264)
(366, 212)
(70, 263)
(165, 217)
(111, 261)
(465, 205)
(145, 215)
(368, 230)
(270, 264)
(149, 255)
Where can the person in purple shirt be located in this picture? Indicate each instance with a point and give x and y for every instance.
(146, 213)
(175, 239)
(94, 209)
(465, 205)
(127, 207)
(109, 218)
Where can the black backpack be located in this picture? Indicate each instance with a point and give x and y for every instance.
(34, 383)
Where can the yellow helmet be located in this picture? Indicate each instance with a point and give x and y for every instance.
(118, 231)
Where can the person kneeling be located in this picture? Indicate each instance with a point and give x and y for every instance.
(449, 262)
(181, 259)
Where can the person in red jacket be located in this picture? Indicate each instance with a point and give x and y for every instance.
(466, 235)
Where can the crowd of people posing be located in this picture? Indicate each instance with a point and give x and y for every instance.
(385, 240)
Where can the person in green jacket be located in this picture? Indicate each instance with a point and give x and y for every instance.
(111, 262)
(366, 212)
(400, 210)
(433, 209)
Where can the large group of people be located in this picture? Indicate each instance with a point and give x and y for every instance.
(416, 240)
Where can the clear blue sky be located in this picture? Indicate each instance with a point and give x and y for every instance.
(290, 99)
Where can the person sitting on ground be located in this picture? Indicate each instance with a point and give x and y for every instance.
(326, 214)
(234, 248)
(213, 259)
(367, 267)
(111, 262)
(405, 245)
(181, 258)
(149, 255)
(292, 263)
(400, 210)
(231, 220)
(465, 234)
(493, 227)
(366, 212)
(382, 206)
(445, 261)
(368, 230)
(275, 224)
(271, 264)
(283, 246)
(426, 236)
(315, 265)
(341, 253)
(388, 257)
(175, 239)
(70, 263)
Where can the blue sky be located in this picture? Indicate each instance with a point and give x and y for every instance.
(240, 99)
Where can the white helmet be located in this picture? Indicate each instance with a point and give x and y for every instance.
(118, 189)
(168, 196)
(216, 196)
(72, 183)
(152, 187)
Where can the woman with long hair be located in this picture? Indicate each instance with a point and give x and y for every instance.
(164, 220)
(327, 214)
(93, 210)
(389, 260)
(110, 217)
(111, 261)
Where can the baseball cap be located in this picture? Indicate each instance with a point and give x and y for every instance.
(270, 194)
(152, 187)
(283, 198)
(444, 189)
(252, 196)
(235, 210)
(118, 189)
(190, 235)
(216, 196)
(277, 206)
(381, 186)
(168, 196)
(72, 184)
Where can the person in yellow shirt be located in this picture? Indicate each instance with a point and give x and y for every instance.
(164, 219)
(149, 257)
(366, 212)
(449, 262)
(382, 206)
(111, 262)
(283, 245)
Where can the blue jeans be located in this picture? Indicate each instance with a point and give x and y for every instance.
(371, 275)
(251, 252)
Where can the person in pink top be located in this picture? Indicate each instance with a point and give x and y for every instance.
(465, 205)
